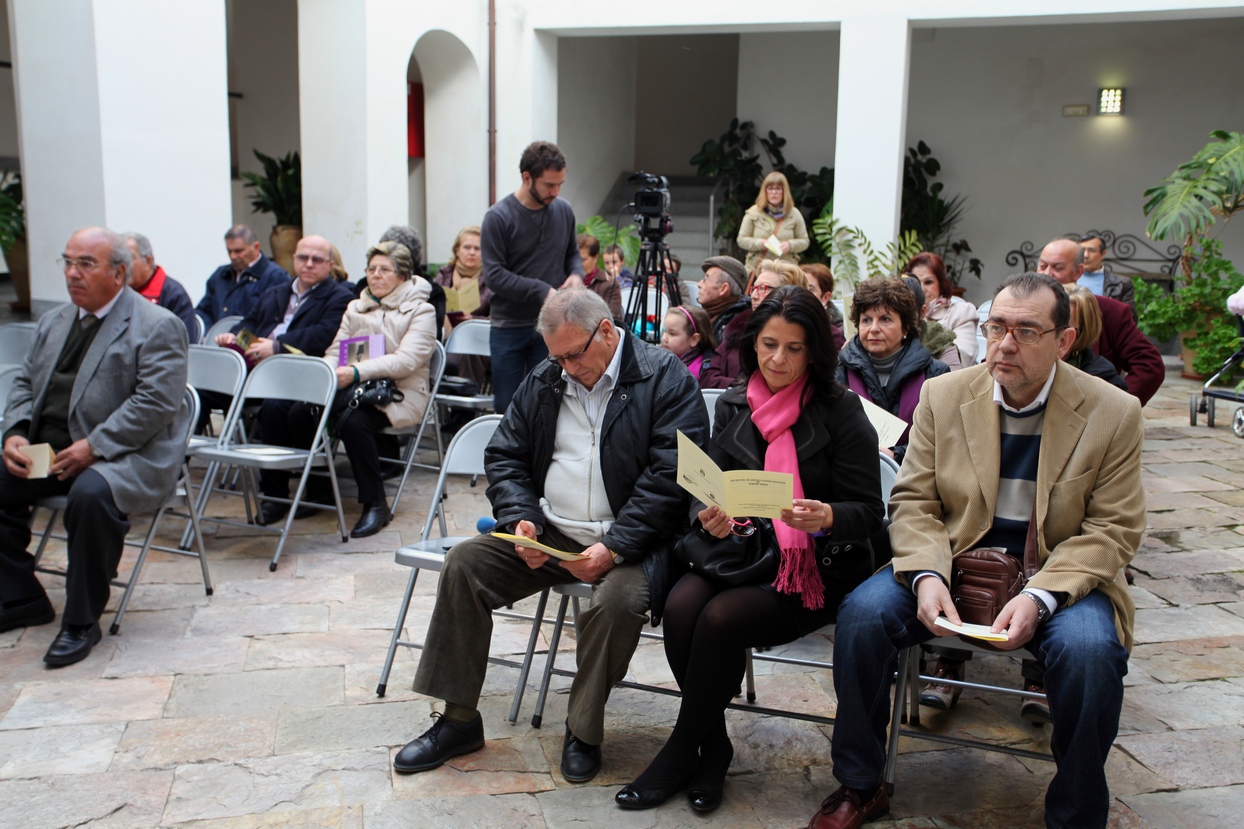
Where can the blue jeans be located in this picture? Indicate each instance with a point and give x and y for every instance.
(1084, 661)
(515, 353)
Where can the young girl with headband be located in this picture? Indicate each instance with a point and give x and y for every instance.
(689, 334)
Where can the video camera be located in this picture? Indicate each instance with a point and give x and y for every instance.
(651, 206)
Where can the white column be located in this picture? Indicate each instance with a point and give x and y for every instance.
(123, 121)
(872, 124)
(526, 92)
(352, 104)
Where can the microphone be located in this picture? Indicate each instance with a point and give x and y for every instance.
(485, 524)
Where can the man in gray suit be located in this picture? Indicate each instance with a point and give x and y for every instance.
(103, 385)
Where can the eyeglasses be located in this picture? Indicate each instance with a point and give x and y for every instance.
(81, 264)
(316, 261)
(1023, 335)
(762, 290)
(380, 269)
(570, 358)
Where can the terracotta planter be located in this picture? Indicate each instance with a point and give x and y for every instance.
(283, 241)
(1188, 355)
(19, 272)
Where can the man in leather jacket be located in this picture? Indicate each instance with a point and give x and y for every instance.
(585, 461)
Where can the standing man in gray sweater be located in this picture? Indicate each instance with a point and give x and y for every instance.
(530, 253)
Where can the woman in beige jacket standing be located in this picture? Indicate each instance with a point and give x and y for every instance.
(396, 306)
(773, 216)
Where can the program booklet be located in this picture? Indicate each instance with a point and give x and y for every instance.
(544, 548)
(358, 349)
(889, 428)
(41, 458)
(974, 631)
(464, 300)
(743, 492)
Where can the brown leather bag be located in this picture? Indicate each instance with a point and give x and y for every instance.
(983, 581)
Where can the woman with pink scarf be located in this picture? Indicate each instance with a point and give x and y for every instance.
(786, 414)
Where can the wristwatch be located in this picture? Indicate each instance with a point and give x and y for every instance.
(617, 559)
(1043, 612)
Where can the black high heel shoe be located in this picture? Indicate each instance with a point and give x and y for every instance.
(634, 796)
(704, 792)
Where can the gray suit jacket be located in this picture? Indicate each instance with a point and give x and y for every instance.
(127, 399)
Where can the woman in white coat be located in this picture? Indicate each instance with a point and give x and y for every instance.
(396, 306)
(955, 314)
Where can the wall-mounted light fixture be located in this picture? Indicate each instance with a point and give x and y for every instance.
(1110, 102)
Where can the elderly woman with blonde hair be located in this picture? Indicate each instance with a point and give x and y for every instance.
(773, 216)
(1086, 320)
(395, 306)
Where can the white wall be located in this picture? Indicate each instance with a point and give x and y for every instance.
(263, 67)
(596, 118)
(989, 103)
(686, 92)
(8, 106)
(788, 83)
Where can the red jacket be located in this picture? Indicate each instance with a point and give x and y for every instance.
(1128, 350)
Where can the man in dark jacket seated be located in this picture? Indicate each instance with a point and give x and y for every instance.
(299, 317)
(603, 402)
(234, 288)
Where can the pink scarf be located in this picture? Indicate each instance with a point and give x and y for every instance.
(773, 415)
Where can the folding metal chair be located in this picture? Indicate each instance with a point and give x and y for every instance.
(465, 456)
(204, 325)
(7, 375)
(281, 377)
(181, 490)
(469, 337)
(220, 326)
(223, 371)
(15, 341)
(710, 401)
(436, 370)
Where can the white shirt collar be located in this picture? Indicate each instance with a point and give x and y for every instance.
(102, 312)
(1042, 396)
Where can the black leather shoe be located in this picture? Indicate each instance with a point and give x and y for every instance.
(580, 761)
(648, 797)
(443, 740)
(709, 782)
(271, 512)
(72, 644)
(304, 512)
(375, 515)
(27, 614)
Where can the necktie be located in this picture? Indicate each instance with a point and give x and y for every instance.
(88, 322)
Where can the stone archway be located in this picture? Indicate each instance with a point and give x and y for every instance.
(453, 175)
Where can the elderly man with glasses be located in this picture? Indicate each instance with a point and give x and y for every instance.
(1024, 437)
(102, 388)
(585, 462)
(295, 317)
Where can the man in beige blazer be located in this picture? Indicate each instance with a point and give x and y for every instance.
(986, 444)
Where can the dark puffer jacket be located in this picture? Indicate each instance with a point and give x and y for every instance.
(915, 364)
(655, 398)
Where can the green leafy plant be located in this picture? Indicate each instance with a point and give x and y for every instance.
(622, 235)
(12, 211)
(730, 158)
(1196, 308)
(279, 190)
(1188, 202)
(852, 254)
(933, 217)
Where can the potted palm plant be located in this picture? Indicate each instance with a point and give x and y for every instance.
(1186, 207)
(279, 192)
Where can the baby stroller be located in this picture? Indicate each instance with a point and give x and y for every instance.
(1204, 402)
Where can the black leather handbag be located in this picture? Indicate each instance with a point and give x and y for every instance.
(378, 392)
(735, 560)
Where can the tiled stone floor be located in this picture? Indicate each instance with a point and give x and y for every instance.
(256, 707)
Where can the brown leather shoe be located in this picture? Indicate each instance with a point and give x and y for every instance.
(850, 809)
(1035, 711)
(939, 696)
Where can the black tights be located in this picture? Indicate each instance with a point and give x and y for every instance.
(707, 629)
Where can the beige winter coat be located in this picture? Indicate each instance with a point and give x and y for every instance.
(408, 323)
(758, 226)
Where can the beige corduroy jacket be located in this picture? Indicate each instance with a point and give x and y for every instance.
(1090, 502)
